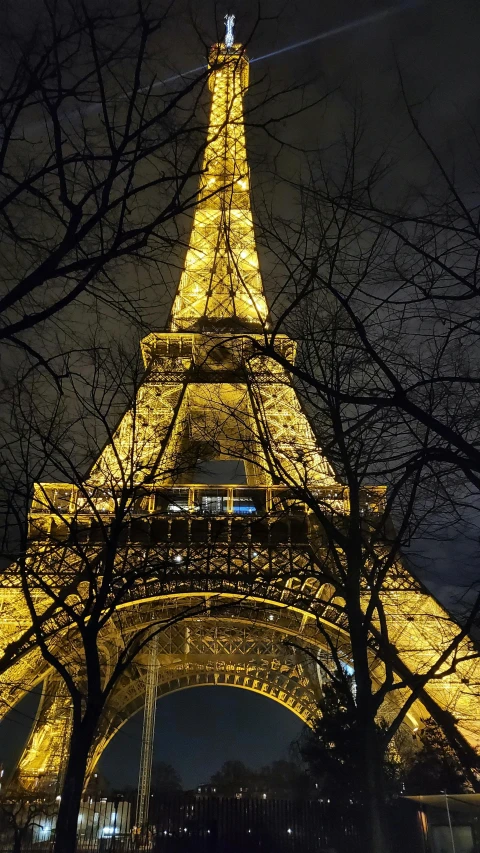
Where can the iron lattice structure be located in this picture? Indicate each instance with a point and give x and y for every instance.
(207, 395)
(148, 734)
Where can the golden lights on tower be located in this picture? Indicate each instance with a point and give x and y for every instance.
(207, 389)
(221, 278)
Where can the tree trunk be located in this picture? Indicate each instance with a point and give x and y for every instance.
(372, 773)
(67, 819)
(377, 829)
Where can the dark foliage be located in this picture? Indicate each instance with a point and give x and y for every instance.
(283, 779)
(435, 767)
(165, 779)
(331, 750)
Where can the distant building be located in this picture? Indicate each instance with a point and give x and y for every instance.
(243, 792)
(206, 790)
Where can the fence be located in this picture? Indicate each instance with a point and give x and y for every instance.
(199, 824)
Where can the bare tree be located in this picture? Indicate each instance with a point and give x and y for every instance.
(23, 814)
(402, 268)
(90, 550)
(397, 643)
(101, 147)
(104, 186)
(400, 274)
(384, 486)
(96, 155)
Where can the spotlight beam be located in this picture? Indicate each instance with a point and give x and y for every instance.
(344, 28)
(335, 31)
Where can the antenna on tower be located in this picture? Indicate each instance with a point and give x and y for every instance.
(229, 25)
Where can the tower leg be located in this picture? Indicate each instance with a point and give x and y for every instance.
(43, 761)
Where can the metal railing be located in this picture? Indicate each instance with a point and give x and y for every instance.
(194, 823)
(184, 823)
(196, 499)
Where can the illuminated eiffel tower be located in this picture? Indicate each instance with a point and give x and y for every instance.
(206, 396)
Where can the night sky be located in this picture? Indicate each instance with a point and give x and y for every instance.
(198, 729)
(437, 47)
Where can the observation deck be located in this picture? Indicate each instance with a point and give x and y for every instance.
(192, 512)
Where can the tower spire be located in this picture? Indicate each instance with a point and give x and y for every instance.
(221, 287)
(229, 25)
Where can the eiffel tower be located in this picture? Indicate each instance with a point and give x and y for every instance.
(207, 397)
